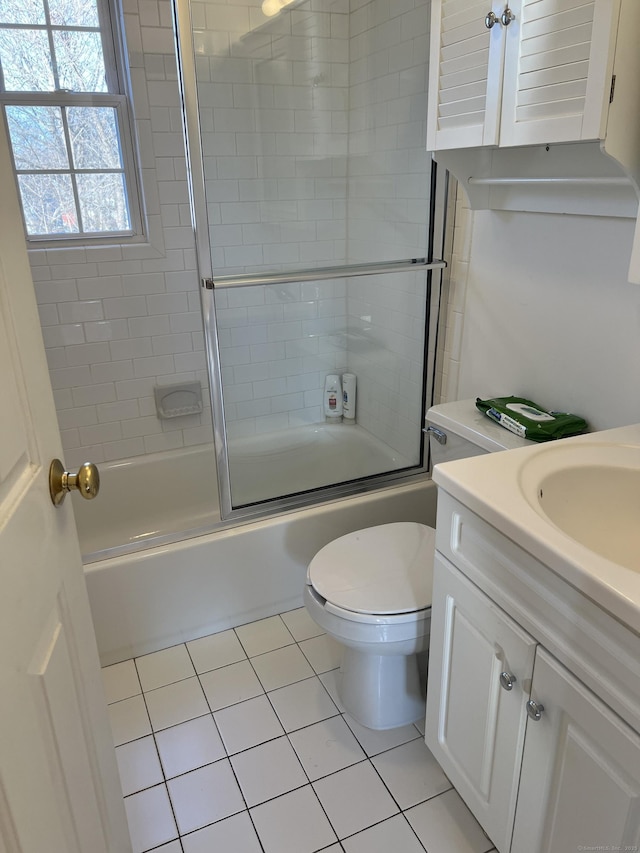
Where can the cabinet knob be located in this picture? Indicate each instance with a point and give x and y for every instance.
(507, 680)
(507, 16)
(534, 710)
(491, 19)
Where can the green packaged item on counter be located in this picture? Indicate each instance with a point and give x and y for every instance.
(528, 420)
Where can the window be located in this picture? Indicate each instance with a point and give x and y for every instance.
(67, 119)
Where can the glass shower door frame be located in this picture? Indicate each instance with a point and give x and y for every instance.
(432, 264)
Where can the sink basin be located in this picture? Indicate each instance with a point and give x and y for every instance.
(591, 492)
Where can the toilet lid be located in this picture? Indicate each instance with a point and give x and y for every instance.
(379, 570)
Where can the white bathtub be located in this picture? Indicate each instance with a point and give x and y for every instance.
(171, 593)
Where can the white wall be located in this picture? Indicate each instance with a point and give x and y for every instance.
(548, 314)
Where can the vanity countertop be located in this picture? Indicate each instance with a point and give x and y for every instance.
(501, 489)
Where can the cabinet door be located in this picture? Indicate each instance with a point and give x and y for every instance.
(465, 76)
(475, 727)
(580, 782)
(557, 70)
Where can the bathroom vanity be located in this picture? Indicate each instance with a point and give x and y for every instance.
(533, 700)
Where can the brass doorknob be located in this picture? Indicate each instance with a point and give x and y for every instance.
(61, 482)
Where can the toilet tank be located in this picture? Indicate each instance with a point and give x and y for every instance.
(459, 430)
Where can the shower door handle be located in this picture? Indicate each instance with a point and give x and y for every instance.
(61, 482)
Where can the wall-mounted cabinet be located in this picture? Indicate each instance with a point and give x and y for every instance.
(533, 105)
(523, 73)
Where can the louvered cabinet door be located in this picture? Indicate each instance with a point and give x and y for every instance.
(557, 70)
(465, 74)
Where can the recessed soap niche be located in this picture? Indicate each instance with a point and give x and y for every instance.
(175, 401)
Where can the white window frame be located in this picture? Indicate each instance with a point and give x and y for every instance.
(118, 97)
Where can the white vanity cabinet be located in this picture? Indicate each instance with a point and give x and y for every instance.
(481, 663)
(546, 763)
(580, 777)
(522, 72)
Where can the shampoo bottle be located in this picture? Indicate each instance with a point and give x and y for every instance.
(349, 397)
(333, 398)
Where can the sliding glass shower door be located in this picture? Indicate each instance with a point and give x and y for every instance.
(316, 223)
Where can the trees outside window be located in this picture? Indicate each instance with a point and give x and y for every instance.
(68, 120)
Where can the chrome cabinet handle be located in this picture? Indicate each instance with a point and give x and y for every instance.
(491, 19)
(507, 680)
(534, 710)
(61, 482)
(507, 16)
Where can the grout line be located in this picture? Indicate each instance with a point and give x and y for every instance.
(228, 756)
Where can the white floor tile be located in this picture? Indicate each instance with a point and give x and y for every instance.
(231, 835)
(138, 765)
(331, 680)
(215, 651)
(293, 823)
(268, 770)
(445, 824)
(281, 667)
(392, 834)
(176, 703)
(129, 720)
(120, 681)
(205, 796)
(354, 799)
(411, 773)
(189, 745)
(230, 684)
(264, 636)
(165, 667)
(323, 653)
(302, 704)
(326, 747)
(300, 624)
(247, 724)
(171, 847)
(150, 819)
(374, 742)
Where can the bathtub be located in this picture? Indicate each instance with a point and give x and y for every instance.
(148, 592)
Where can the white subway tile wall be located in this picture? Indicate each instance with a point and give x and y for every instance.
(119, 319)
(387, 213)
(313, 137)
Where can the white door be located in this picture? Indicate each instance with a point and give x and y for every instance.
(480, 667)
(580, 783)
(465, 74)
(557, 70)
(59, 789)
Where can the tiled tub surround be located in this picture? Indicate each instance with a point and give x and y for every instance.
(327, 166)
(277, 343)
(298, 113)
(119, 319)
(237, 742)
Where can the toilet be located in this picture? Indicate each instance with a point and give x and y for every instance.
(371, 589)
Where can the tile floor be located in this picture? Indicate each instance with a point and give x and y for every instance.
(237, 743)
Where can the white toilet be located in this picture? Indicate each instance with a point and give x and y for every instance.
(371, 590)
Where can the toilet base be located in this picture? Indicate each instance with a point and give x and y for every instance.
(383, 691)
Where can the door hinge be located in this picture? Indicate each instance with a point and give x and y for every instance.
(613, 88)
(207, 283)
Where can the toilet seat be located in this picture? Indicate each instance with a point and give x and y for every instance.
(381, 574)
